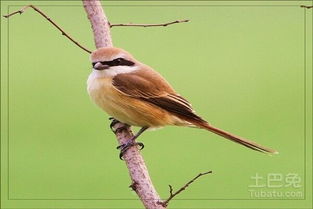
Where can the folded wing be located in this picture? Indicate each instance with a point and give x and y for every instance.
(149, 86)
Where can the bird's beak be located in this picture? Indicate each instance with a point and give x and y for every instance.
(100, 66)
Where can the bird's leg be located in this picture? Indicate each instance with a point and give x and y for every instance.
(131, 142)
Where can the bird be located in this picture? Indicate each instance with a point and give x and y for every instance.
(135, 94)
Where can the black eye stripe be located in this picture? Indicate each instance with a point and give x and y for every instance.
(119, 61)
(116, 62)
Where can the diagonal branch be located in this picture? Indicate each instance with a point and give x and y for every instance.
(141, 181)
(172, 195)
(307, 7)
(149, 25)
(22, 10)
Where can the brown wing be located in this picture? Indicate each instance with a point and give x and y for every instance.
(142, 83)
(149, 86)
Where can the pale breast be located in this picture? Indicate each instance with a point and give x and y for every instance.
(100, 91)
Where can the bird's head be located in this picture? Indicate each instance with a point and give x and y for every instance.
(111, 58)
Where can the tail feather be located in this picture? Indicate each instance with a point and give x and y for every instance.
(237, 139)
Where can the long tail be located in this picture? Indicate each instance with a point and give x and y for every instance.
(237, 139)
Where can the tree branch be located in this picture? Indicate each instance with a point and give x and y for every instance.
(149, 25)
(307, 7)
(22, 10)
(172, 195)
(141, 182)
(99, 23)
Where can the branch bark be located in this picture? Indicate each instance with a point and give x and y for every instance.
(99, 23)
(141, 181)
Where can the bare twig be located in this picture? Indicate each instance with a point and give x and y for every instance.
(307, 7)
(149, 25)
(22, 10)
(171, 190)
(172, 195)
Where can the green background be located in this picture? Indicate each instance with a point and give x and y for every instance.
(245, 66)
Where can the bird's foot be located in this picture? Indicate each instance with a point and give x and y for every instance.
(114, 122)
(130, 143)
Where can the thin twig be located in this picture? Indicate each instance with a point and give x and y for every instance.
(22, 10)
(171, 190)
(149, 25)
(172, 195)
(307, 7)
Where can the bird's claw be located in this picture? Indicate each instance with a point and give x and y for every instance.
(126, 146)
(113, 123)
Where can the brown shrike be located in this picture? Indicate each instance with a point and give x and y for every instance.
(135, 94)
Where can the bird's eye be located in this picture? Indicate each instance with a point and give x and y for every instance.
(119, 60)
